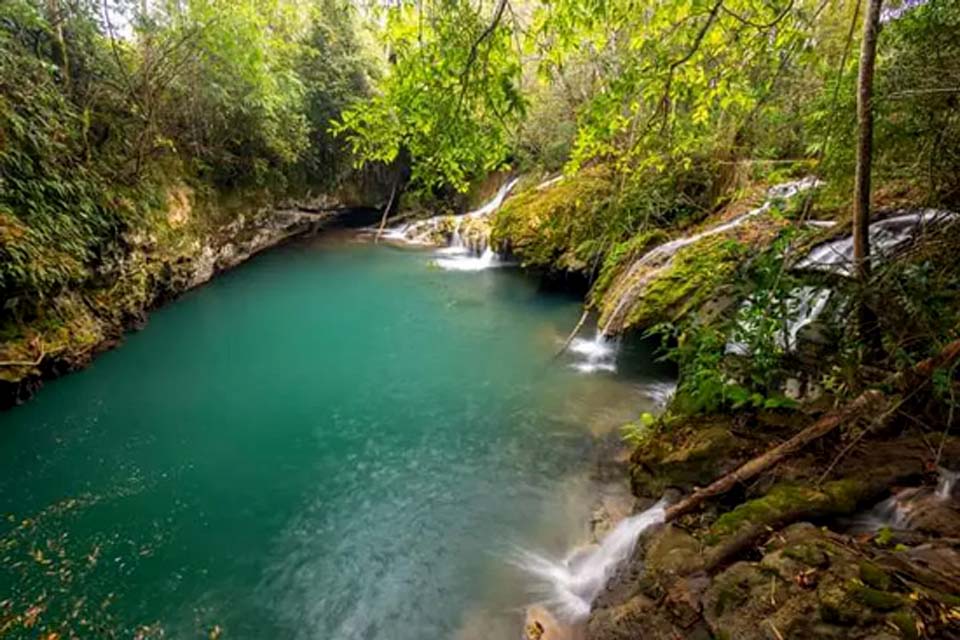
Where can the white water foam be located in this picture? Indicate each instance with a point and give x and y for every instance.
(947, 483)
(802, 308)
(598, 354)
(486, 260)
(660, 393)
(888, 514)
(458, 255)
(569, 586)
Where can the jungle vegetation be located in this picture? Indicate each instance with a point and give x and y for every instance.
(659, 112)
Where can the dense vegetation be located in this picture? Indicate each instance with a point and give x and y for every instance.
(102, 105)
(655, 120)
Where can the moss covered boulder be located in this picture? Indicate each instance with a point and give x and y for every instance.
(686, 455)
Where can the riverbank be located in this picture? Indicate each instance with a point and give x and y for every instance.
(775, 557)
(150, 266)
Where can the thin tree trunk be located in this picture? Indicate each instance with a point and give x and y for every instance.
(386, 210)
(59, 47)
(861, 200)
(573, 334)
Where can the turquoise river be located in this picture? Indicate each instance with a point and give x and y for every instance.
(336, 440)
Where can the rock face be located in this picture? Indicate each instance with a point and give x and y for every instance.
(146, 269)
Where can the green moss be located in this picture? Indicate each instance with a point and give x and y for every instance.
(621, 254)
(877, 599)
(560, 226)
(785, 500)
(874, 576)
(809, 554)
(691, 454)
(906, 623)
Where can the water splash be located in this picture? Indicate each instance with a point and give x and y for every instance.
(886, 236)
(570, 586)
(465, 262)
(598, 354)
(474, 254)
(661, 393)
(946, 483)
(658, 259)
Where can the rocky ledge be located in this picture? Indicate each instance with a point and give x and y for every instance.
(147, 268)
(804, 552)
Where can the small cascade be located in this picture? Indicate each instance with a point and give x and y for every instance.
(802, 308)
(888, 514)
(660, 393)
(597, 354)
(465, 262)
(947, 483)
(570, 586)
(886, 237)
(546, 184)
(451, 230)
(469, 248)
(909, 508)
(654, 262)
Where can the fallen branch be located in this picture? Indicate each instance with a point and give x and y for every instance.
(864, 403)
(573, 334)
(925, 368)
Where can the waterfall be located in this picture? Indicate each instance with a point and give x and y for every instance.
(467, 236)
(658, 259)
(802, 308)
(570, 586)
(597, 354)
(474, 253)
(886, 236)
(946, 483)
(902, 509)
(889, 514)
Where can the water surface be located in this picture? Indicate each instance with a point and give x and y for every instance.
(333, 441)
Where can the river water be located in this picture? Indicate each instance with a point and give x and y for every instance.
(334, 441)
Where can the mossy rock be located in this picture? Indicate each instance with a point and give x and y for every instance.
(688, 456)
(558, 226)
(877, 599)
(874, 576)
(837, 604)
(808, 554)
(673, 552)
(906, 622)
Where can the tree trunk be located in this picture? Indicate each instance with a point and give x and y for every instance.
(59, 46)
(861, 201)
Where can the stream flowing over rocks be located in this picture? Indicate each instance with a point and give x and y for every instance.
(630, 286)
